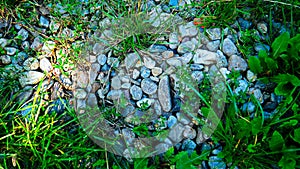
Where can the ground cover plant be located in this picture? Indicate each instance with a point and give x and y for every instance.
(33, 136)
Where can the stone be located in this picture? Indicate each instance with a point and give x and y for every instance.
(37, 43)
(214, 33)
(98, 49)
(131, 60)
(156, 71)
(186, 47)
(44, 21)
(164, 94)
(80, 93)
(3, 42)
(101, 59)
(221, 61)
(237, 63)
(113, 94)
(243, 85)
(173, 2)
(25, 94)
(5, 59)
(148, 62)
(91, 101)
(126, 85)
(145, 72)
(258, 95)
(201, 137)
(213, 45)
(216, 162)
(25, 45)
(205, 57)
(167, 54)
(188, 145)
(258, 47)
(24, 34)
(116, 82)
(175, 133)
(48, 47)
(186, 58)
(54, 26)
(157, 48)
(198, 76)
(172, 120)
(82, 79)
(31, 77)
(136, 92)
(45, 65)
(251, 77)
(224, 71)
(229, 47)
(175, 61)
(157, 108)
(173, 40)
(189, 132)
(244, 23)
(148, 86)
(58, 106)
(262, 27)
(248, 107)
(10, 50)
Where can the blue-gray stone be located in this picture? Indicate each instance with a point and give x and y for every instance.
(216, 163)
(196, 67)
(248, 107)
(44, 22)
(157, 48)
(105, 68)
(244, 23)
(258, 47)
(145, 72)
(173, 2)
(189, 146)
(58, 106)
(205, 147)
(172, 120)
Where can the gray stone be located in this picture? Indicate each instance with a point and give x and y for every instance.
(248, 107)
(262, 27)
(126, 85)
(172, 120)
(116, 82)
(201, 137)
(216, 162)
(136, 92)
(10, 50)
(82, 79)
(37, 43)
(131, 60)
(5, 59)
(31, 77)
(186, 47)
(237, 63)
(25, 94)
(188, 145)
(45, 65)
(175, 133)
(157, 48)
(98, 49)
(205, 57)
(80, 93)
(3, 42)
(229, 47)
(251, 77)
(25, 45)
(167, 54)
(23, 33)
(258, 47)
(244, 23)
(156, 71)
(189, 132)
(145, 72)
(182, 118)
(44, 21)
(91, 100)
(164, 94)
(175, 61)
(135, 74)
(186, 58)
(93, 72)
(101, 59)
(157, 108)
(148, 62)
(148, 86)
(198, 76)
(214, 33)
(113, 94)
(213, 45)
(258, 95)
(222, 61)
(113, 62)
(48, 47)
(173, 40)
(243, 85)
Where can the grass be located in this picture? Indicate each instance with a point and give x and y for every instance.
(42, 140)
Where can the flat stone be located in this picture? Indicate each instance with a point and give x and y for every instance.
(145, 72)
(186, 58)
(198, 76)
(98, 49)
(136, 92)
(262, 27)
(205, 57)
(91, 100)
(126, 85)
(10, 50)
(157, 108)
(175, 133)
(237, 63)
(37, 43)
(189, 132)
(131, 60)
(164, 94)
(242, 86)
(157, 48)
(114, 94)
(213, 45)
(186, 47)
(173, 40)
(148, 86)
(229, 47)
(214, 33)
(148, 62)
(31, 77)
(44, 21)
(216, 162)
(167, 54)
(101, 59)
(172, 120)
(80, 93)
(93, 72)
(45, 65)
(82, 79)
(54, 26)
(25, 45)
(196, 67)
(3, 42)
(251, 77)
(175, 61)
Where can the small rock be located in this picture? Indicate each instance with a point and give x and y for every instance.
(126, 85)
(205, 57)
(5, 59)
(186, 47)
(131, 60)
(145, 72)
(244, 23)
(101, 59)
(188, 145)
(3, 42)
(186, 58)
(189, 132)
(30, 78)
(116, 82)
(258, 47)
(54, 26)
(229, 47)
(23, 33)
(237, 63)
(157, 48)
(149, 63)
(175, 61)
(80, 93)
(45, 65)
(167, 54)
(196, 67)
(222, 61)
(262, 27)
(182, 118)
(214, 33)
(164, 94)
(172, 120)
(251, 77)
(59, 106)
(258, 95)
(135, 74)
(48, 47)
(148, 86)
(136, 92)
(175, 133)
(113, 94)
(173, 2)
(25, 45)
(25, 94)
(91, 100)
(31, 64)
(173, 40)
(44, 22)
(248, 107)
(216, 162)
(156, 71)
(213, 45)
(243, 85)
(197, 76)
(37, 43)
(10, 50)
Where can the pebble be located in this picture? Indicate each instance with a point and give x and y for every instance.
(198, 76)
(156, 71)
(24, 34)
(244, 23)
(175, 133)
(30, 78)
(44, 21)
(221, 61)
(248, 107)
(258, 47)
(258, 95)
(48, 47)
(213, 45)
(205, 57)
(175, 61)
(214, 33)
(25, 45)
(262, 27)
(37, 43)
(251, 77)
(173, 2)
(136, 92)
(145, 72)
(173, 40)
(167, 54)
(3, 42)
(157, 48)
(196, 67)
(243, 85)
(54, 26)
(216, 162)
(229, 47)
(25, 94)
(172, 120)
(237, 63)
(149, 63)
(185, 47)
(82, 79)
(80, 93)
(189, 132)
(148, 86)
(59, 106)
(5, 59)
(10, 50)
(131, 60)
(112, 94)
(31, 64)
(45, 65)
(164, 94)
(93, 72)
(91, 101)
(186, 58)
(135, 74)
(116, 82)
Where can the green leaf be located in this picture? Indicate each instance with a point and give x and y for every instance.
(276, 142)
(251, 148)
(99, 163)
(254, 64)
(272, 65)
(297, 135)
(290, 123)
(256, 125)
(295, 47)
(280, 44)
(287, 162)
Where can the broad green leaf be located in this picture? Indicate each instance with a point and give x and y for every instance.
(244, 129)
(295, 108)
(262, 55)
(280, 44)
(251, 148)
(295, 44)
(256, 125)
(282, 89)
(287, 162)
(297, 135)
(272, 65)
(276, 143)
(281, 78)
(290, 123)
(254, 64)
